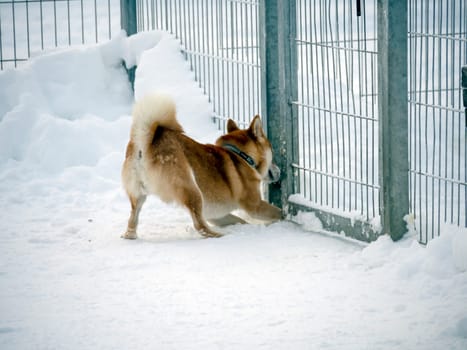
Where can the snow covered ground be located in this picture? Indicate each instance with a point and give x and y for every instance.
(68, 281)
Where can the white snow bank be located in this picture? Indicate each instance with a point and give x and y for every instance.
(64, 109)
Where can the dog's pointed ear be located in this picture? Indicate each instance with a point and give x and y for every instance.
(231, 126)
(256, 127)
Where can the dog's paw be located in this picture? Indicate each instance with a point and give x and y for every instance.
(210, 234)
(129, 235)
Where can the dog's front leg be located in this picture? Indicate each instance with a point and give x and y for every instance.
(227, 220)
(262, 210)
(136, 204)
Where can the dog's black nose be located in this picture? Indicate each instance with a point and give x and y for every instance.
(274, 173)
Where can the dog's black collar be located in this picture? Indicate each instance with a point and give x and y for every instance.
(240, 153)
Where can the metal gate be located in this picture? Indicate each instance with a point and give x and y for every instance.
(437, 119)
(337, 112)
(372, 125)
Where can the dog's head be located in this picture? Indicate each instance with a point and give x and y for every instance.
(253, 146)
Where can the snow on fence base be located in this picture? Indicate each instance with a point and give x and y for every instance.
(352, 225)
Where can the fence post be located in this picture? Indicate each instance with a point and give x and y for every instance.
(464, 91)
(128, 23)
(464, 98)
(393, 114)
(128, 16)
(279, 85)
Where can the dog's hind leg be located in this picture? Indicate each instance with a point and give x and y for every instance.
(136, 204)
(193, 201)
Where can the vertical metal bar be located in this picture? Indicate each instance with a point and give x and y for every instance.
(249, 45)
(459, 149)
(197, 42)
(55, 22)
(231, 64)
(280, 84)
(329, 129)
(15, 58)
(349, 80)
(95, 21)
(109, 16)
(168, 27)
(69, 21)
(418, 129)
(203, 56)
(1, 45)
(453, 78)
(257, 75)
(27, 29)
(440, 114)
(229, 54)
(367, 97)
(305, 87)
(217, 32)
(340, 107)
(373, 123)
(82, 19)
(361, 82)
(42, 25)
(319, 84)
(310, 115)
(464, 97)
(128, 16)
(412, 120)
(392, 86)
(242, 64)
(433, 119)
(425, 115)
(324, 65)
(236, 48)
(314, 101)
(335, 79)
(210, 35)
(222, 52)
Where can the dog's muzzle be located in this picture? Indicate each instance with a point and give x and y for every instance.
(274, 174)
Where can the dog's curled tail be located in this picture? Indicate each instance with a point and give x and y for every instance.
(149, 113)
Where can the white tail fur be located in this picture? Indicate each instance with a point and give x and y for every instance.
(149, 112)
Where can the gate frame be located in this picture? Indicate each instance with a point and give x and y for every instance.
(279, 81)
(279, 87)
(393, 116)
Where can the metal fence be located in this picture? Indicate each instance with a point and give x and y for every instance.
(220, 39)
(437, 121)
(338, 109)
(361, 137)
(30, 26)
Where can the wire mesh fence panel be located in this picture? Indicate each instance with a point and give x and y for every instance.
(437, 126)
(220, 41)
(28, 27)
(337, 108)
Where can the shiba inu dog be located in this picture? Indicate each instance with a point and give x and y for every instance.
(209, 180)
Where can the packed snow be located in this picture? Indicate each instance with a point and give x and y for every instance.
(68, 281)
